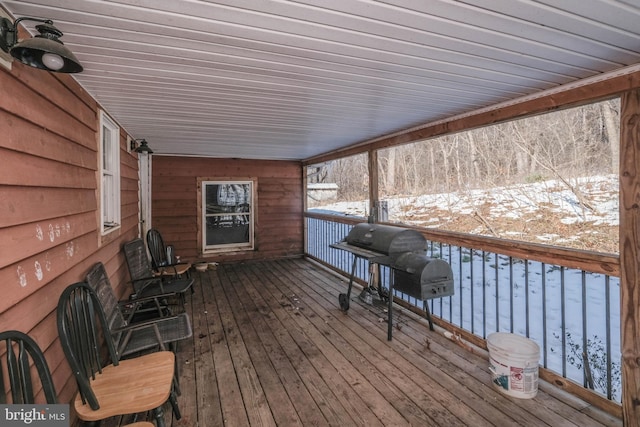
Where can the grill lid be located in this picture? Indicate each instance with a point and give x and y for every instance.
(386, 239)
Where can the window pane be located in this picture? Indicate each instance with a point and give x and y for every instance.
(110, 173)
(227, 214)
(228, 229)
(106, 148)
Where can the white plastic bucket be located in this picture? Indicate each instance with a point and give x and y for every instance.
(513, 362)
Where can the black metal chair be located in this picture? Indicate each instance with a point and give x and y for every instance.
(162, 258)
(145, 282)
(108, 386)
(18, 349)
(131, 336)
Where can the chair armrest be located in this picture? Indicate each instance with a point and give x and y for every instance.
(144, 324)
(136, 306)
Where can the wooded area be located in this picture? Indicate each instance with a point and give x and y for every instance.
(560, 146)
(564, 144)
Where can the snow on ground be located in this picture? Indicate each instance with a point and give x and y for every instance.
(543, 210)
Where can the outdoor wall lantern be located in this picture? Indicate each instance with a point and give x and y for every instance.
(142, 147)
(44, 51)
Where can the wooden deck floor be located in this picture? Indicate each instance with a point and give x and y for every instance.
(271, 347)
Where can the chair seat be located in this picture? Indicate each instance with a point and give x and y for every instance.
(175, 269)
(170, 330)
(141, 424)
(135, 385)
(154, 287)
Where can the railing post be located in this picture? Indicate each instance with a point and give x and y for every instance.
(373, 185)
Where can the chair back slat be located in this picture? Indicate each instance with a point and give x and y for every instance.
(137, 262)
(157, 249)
(21, 384)
(20, 349)
(99, 281)
(83, 326)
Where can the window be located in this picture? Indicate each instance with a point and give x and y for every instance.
(228, 215)
(110, 173)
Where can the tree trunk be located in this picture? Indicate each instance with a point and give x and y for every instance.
(390, 178)
(613, 134)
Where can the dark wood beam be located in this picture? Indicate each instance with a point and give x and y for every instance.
(630, 255)
(373, 183)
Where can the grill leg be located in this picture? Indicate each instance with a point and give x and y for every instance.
(343, 299)
(390, 320)
(427, 313)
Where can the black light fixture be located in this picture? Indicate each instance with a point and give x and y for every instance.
(44, 51)
(142, 147)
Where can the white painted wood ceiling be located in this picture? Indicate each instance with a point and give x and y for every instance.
(276, 79)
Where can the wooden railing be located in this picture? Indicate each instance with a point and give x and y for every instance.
(566, 300)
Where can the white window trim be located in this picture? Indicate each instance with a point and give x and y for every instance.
(110, 213)
(203, 220)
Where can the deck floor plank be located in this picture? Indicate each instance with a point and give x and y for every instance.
(447, 394)
(271, 347)
(274, 357)
(273, 329)
(367, 401)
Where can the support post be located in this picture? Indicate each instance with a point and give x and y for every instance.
(373, 185)
(630, 254)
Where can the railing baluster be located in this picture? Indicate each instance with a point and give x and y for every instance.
(460, 288)
(563, 328)
(585, 348)
(473, 308)
(511, 315)
(451, 297)
(607, 299)
(543, 275)
(484, 296)
(497, 268)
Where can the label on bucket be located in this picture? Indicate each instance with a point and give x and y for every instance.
(523, 379)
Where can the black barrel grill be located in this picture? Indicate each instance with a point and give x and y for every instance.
(412, 272)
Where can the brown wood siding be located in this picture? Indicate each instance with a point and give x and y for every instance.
(279, 210)
(49, 205)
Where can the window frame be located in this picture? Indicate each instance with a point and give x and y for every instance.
(109, 167)
(202, 232)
